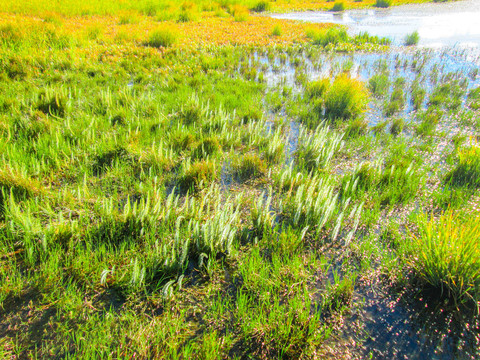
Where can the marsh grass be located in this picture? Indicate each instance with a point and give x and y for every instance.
(397, 126)
(473, 99)
(379, 84)
(383, 3)
(277, 31)
(248, 167)
(338, 6)
(397, 98)
(317, 88)
(428, 121)
(444, 254)
(162, 37)
(316, 150)
(448, 94)
(412, 39)
(346, 98)
(261, 6)
(356, 127)
(333, 36)
(467, 171)
(209, 147)
(166, 203)
(197, 174)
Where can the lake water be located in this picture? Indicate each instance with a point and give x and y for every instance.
(438, 24)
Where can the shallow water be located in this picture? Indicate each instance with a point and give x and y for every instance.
(438, 24)
(429, 67)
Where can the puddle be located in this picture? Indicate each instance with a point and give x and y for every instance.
(438, 24)
(387, 327)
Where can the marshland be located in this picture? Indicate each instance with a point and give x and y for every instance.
(214, 180)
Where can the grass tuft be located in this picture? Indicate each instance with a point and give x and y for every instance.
(412, 39)
(163, 37)
(346, 98)
(277, 30)
(467, 172)
(197, 175)
(383, 3)
(248, 167)
(444, 254)
(261, 6)
(338, 6)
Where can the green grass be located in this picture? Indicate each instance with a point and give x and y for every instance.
(338, 6)
(444, 254)
(473, 98)
(379, 84)
(412, 39)
(383, 3)
(346, 98)
(277, 31)
(168, 203)
(331, 36)
(397, 126)
(197, 174)
(248, 167)
(162, 37)
(261, 6)
(466, 173)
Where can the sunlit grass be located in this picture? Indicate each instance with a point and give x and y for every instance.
(110, 7)
(346, 98)
(467, 171)
(444, 253)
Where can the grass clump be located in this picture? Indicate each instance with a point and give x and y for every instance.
(338, 6)
(379, 84)
(193, 112)
(367, 174)
(397, 126)
(317, 88)
(448, 95)
(428, 121)
(444, 254)
(418, 96)
(11, 35)
(400, 181)
(334, 35)
(473, 99)
(106, 160)
(412, 39)
(346, 98)
(383, 3)
(208, 147)
(239, 12)
(316, 150)
(52, 102)
(162, 38)
(18, 185)
(397, 98)
(356, 127)
(364, 38)
(248, 167)
(467, 172)
(260, 6)
(277, 30)
(197, 175)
